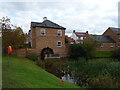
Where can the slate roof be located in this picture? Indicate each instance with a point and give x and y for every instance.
(46, 24)
(101, 38)
(116, 30)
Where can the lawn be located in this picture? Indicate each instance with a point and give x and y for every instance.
(102, 53)
(24, 73)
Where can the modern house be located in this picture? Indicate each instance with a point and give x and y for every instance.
(79, 37)
(47, 38)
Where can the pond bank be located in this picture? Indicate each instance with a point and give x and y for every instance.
(92, 73)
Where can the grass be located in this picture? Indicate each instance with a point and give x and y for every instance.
(102, 54)
(24, 73)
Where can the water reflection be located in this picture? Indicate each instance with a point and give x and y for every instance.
(71, 78)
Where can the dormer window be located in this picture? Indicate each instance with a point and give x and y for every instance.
(59, 32)
(42, 32)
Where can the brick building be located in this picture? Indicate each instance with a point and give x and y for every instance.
(109, 40)
(47, 38)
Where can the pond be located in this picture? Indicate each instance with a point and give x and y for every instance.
(71, 78)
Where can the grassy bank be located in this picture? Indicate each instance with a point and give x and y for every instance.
(24, 73)
(102, 53)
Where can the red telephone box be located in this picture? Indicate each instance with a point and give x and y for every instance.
(9, 50)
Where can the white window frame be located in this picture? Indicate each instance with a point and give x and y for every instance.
(58, 44)
(101, 44)
(42, 30)
(112, 44)
(59, 32)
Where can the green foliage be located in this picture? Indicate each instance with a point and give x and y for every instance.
(41, 63)
(116, 54)
(24, 73)
(102, 53)
(66, 40)
(33, 56)
(11, 37)
(77, 51)
(83, 50)
(96, 72)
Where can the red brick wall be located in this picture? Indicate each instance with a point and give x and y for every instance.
(49, 40)
(105, 48)
(114, 36)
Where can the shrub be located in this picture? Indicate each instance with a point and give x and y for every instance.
(116, 54)
(98, 73)
(41, 63)
(33, 56)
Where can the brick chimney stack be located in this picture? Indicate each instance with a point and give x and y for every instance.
(73, 31)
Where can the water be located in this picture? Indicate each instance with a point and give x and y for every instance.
(71, 78)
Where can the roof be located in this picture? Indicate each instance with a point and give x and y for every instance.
(101, 38)
(115, 30)
(69, 38)
(80, 34)
(46, 24)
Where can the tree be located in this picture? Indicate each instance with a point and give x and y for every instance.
(83, 50)
(11, 35)
(89, 47)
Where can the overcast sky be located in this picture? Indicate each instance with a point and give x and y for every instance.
(94, 16)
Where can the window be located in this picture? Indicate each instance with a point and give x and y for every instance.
(42, 32)
(80, 38)
(59, 44)
(59, 32)
(112, 45)
(119, 44)
(102, 45)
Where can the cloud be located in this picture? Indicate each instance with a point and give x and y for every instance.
(94, 16)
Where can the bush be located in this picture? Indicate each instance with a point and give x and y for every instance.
(41, 63)
(77, 51)
(116, 54)
(33, 56)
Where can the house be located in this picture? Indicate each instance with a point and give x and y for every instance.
(47, 38)
(70, 40)
(105, 43)
(109, 40)
(114, 33)
(79, 37)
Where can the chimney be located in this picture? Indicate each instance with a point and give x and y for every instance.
(44, 18)
(73, 31)
(87, 32)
